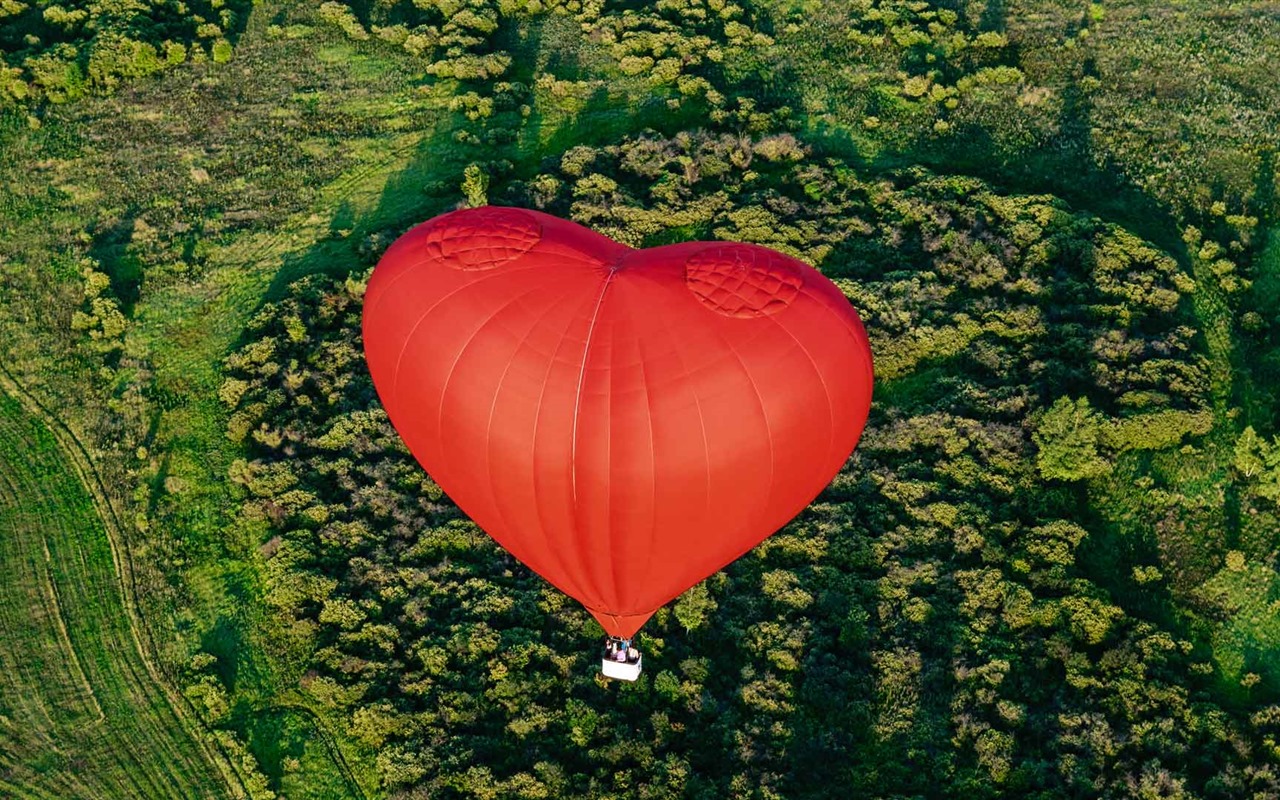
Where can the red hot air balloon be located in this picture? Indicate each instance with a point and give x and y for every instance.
(625, 422)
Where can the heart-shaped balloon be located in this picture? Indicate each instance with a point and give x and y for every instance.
(625, 422)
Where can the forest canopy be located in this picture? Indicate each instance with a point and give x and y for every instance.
(955, 521)
(60, 51)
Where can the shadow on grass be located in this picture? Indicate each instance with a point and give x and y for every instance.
(225, 641)
(1260, 345)
(111, 250)
(296, 762)
(429, 185)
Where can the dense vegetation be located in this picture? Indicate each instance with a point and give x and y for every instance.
(932, 588)
(1048, 571)
(58, 53)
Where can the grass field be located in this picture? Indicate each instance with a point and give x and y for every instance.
(81, 713)
(298, 756)
(374, 172)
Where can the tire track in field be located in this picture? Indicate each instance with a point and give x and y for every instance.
(25, 792)
(328, 739)
(51, 588)
(303, 232)
(161, 768)
(248, 252)
(364, 182)
(58, 703)
(81, 593)
(14, 699)
(16, 703)
(250, 249)
(122, 754)
(237, 279)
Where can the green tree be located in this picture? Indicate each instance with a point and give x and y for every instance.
(1250, 453)
(475, 186)
(1067, 441)
(694, 606)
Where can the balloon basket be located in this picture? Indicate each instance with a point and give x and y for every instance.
(621, 670)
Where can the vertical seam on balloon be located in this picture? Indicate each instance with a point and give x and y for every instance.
(764, 414)
(866, 361)
(613, 563)
(577, 397)
(706, 448)
(826, 390)
(610, 560)
(577, 407)
(403, 270)
(858, 332)
(494, 405)
(653, 458)
(578, 594)
(395, 371)
(448, 378)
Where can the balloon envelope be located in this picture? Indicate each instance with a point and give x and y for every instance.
(625, 422)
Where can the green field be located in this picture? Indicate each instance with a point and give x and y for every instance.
(83, 712)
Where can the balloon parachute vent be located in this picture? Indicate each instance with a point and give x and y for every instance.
(742, 281)
(482, 238)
